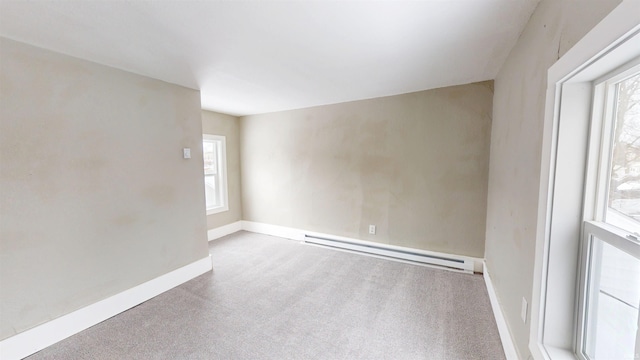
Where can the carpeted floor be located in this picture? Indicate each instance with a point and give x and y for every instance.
(271, 298)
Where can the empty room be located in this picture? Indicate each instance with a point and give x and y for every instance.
(437, 179)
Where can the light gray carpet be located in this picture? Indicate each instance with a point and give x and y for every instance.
(271, 298)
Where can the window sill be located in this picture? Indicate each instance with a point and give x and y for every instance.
(217, 210)
(556, 353)
(541, 352)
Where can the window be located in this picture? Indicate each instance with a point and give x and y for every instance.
(609, 294)
(587, 273)
(215, 173)
(620, 150)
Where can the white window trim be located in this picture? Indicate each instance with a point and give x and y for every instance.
(560, 205)
(222, 160)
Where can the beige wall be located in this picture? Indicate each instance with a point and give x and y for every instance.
(516, 141)
(415, 165)
(229, 126)
(95, 196)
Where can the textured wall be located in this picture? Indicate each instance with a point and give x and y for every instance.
(415, 165)
(96, 197)
(221, 124)
(516, 140)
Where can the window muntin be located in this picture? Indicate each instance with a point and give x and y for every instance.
(215, 173)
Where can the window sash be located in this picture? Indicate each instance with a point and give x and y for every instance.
(594, 231)
(605, 118)
(614, 236)
(216, 193)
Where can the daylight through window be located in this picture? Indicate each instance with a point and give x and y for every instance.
(215, 173)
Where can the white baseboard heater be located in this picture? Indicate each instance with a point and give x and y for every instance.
(404, 254)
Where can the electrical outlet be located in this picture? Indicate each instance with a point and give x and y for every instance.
(372, 229)
(523, 311)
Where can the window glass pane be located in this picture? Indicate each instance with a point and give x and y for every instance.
(613, 300)
(211, 179)
(210, 192)
(624, 180)
(215, 177)
(210, 155)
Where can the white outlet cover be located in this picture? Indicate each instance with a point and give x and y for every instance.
(372, 229)
(186, 153)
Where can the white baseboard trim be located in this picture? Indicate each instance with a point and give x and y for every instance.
(49, 333)
(505, 335)
(299, 235)
(224, 230)
(273, 230)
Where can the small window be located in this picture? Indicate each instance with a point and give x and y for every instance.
(215, 173)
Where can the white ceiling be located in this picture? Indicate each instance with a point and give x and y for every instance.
(263, 56)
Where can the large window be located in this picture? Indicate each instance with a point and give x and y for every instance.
(609, 294)
(215, 173)
(586, 291)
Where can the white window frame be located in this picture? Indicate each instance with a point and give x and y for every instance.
(563, 191)
(598, 164)
(221, 142)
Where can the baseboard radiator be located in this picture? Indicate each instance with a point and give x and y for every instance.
(444, 261)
